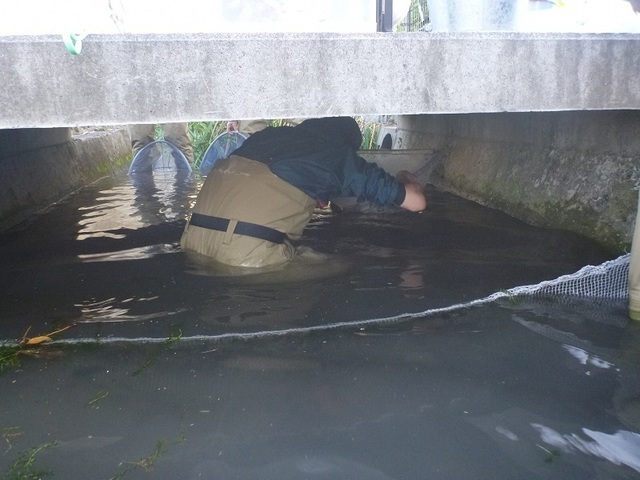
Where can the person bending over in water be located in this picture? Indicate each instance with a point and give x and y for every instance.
(253, 202)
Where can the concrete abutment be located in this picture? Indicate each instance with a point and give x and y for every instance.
(576, 171)
(40, 166)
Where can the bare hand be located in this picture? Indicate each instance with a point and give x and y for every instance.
(232, 126)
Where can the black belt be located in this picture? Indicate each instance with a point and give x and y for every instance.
(242, 228)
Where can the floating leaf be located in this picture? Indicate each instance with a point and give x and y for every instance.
(38, 340)
(41, 338)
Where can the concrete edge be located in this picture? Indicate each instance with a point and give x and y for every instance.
(34, 180)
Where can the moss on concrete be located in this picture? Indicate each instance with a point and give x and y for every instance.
(35, 178)
(111, 166)
(575, 171)
(516, 199)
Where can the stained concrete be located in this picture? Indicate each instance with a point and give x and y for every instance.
(40, 166)
(126, 79)
(577, 171)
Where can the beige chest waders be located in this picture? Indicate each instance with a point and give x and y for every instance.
(243, 190)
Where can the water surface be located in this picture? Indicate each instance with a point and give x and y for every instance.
(174, 369)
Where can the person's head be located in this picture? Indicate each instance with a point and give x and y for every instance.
(342, 130)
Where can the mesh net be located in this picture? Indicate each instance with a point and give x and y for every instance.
(223, 145)
(589, 286)
(159, 155)
(608, 280)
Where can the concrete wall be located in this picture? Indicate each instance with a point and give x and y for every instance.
(40, 166)
(129, 79)
(577, 171)
(13, 142)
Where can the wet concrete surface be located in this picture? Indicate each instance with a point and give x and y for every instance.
(173, 369)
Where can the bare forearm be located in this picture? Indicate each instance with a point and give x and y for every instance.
(414, 199)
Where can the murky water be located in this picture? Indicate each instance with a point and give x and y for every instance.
(174, 369)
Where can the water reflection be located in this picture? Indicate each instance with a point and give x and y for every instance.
(594, 357)
(112, 310)
(412, 281)
(294, 372)
(151, 198)
(620, 448)
(140, 253)
(115, 209)
(293, 468)
(164, 195)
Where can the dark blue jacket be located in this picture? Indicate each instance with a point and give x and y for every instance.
(319, 157)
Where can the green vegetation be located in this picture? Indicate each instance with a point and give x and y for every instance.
(8, 434)
(9, 354)
(101, 395)
(204, 133)
(174, 335)
(109, 166)
(551, 454)
(417, 17)
(9, 358)
(146, 464)
(24, 466)
(370, 132)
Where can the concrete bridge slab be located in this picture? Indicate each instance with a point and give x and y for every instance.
(123, 79)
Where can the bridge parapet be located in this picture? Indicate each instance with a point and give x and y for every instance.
(123, 79)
